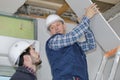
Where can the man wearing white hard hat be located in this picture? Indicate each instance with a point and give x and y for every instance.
(65, 53)
(22, 55)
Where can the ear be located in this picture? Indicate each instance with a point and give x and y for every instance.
(26, 58)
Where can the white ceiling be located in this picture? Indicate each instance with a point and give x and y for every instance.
(10, 6)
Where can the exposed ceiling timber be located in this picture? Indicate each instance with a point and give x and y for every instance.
(103, 6)
(36, 16)
(112, 12)
(43, 8)
(110, 1)
(55, 1)
(44, 4)
(62, 9)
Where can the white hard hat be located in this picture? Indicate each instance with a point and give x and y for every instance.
(16, 50)
(52, 18)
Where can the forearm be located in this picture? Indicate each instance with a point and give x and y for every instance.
(90, 42)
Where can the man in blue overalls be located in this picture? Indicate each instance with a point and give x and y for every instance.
(65, 53)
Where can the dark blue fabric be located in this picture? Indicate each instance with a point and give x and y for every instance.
(23, 74)
(67, 62)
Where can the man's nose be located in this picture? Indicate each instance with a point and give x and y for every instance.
(38, 55)
(56, 27)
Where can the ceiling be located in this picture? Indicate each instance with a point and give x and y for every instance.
(10, 7)
(42, 8)
(110, 1)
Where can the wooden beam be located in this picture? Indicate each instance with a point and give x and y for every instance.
(103, 6)
(62, 9)
(44, 17)
(109, 1)
(44, 4)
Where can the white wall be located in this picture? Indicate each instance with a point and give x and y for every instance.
(44, 73)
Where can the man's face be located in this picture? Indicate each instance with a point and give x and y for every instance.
(34, 56)
(57, 27)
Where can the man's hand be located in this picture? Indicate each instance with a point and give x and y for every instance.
(91, 10)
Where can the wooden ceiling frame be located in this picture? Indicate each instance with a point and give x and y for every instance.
(60, 6)
(62, 9)
(103, 6)
(44, 17)
(109, 1)
(44, 4)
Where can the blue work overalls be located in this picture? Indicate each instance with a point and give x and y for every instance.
(67, 62)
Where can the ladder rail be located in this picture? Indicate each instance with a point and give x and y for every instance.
(115, 65)
(104, 61)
